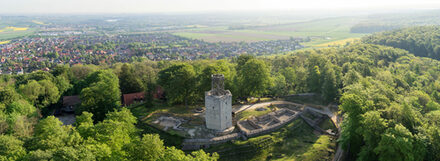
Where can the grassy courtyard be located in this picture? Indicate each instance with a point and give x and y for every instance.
(253, 112)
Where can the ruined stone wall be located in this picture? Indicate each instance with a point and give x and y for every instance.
(194, 144)
(268, 129)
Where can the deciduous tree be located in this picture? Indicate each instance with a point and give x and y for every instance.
(179, 83)
(254, 78)
(102, 95)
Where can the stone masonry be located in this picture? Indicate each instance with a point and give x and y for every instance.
(218, 103)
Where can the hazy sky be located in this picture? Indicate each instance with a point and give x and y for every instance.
(148, 6)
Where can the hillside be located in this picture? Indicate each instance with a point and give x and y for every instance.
(422, 41)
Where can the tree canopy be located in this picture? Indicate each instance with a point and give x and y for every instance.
(102, 94)
(179, 83)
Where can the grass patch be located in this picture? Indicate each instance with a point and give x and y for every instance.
(144, 110)
(320, 150)
(254, 112)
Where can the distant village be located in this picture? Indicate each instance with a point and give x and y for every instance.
(45, 50)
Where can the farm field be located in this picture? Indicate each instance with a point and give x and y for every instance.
(336, 42)
(320, 32)
(225, 35)
(38, 22)
(4, 42)
(13, 32)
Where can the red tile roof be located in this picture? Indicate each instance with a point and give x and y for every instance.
(130, 98)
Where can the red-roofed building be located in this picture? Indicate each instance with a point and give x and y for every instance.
(131, 98)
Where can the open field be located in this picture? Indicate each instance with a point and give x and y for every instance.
(4, 42)
(320, 32)
(337, 42)
(230, 36)
(18, 28)
(38, 22)
(13, 32)
(9, 29)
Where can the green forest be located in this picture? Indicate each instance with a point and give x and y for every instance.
(421, 41)
(387, 88)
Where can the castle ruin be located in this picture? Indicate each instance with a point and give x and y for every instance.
(218, 103)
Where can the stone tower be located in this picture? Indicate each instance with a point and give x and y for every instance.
(218, 103)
